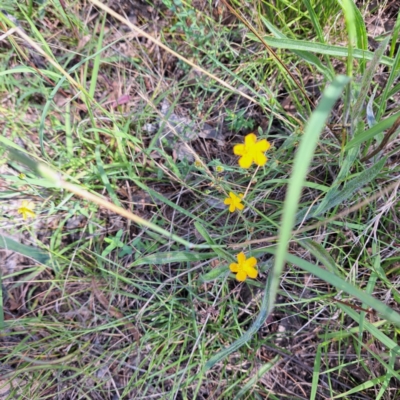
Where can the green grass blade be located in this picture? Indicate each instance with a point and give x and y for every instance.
(214, 274)
(362, 387)
(318, 251)
(370, 133)
(97, 61)
(375, 331)
(367, 79)
(305, 55)
(336, 196)
(104, 178)
(220, 251)
(320, 48)
(388, 376)
(1, 303)
(392, 77)
(258, 323)
(316, 373)
(350, 18)
(395, 35)
(255, 377)
(301, 164)
(384, 310)
(173, 257)
(27, 251)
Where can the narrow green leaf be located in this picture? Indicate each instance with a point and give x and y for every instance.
(97, 59)
(360, 388)
(213, 274)
(173, 257)
(319, 48)
(376, 331)
(316, 373)
(389, 83)
(340, 284)
(257, 324)
(318, 251)
(256, 375)
(343, 176)
(105, 179)
(305, 55)
(370, 133)
(220, 251)
(301, 164)
(339, 196)
(367, 79)
(27, 251)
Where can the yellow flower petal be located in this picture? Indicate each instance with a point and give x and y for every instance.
(240, 206)
(241, 276)
(250, 140)
(239, 149)
(241, 258)
(251, 151)
(251, 272)
(251, 262)
(262, 145)
(234, 202)
(246, 161)
(260, 159)
(26, 209)
(244, 267)
(234, 267)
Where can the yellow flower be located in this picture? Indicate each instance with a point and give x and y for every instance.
(26, 209)
(234, 202)
(198, 164)
(251, 151)
(244, 268)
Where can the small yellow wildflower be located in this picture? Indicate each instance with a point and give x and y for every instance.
(244, 268)
(198, 164)
(234, 202)
(252, 151)
(26, 209)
